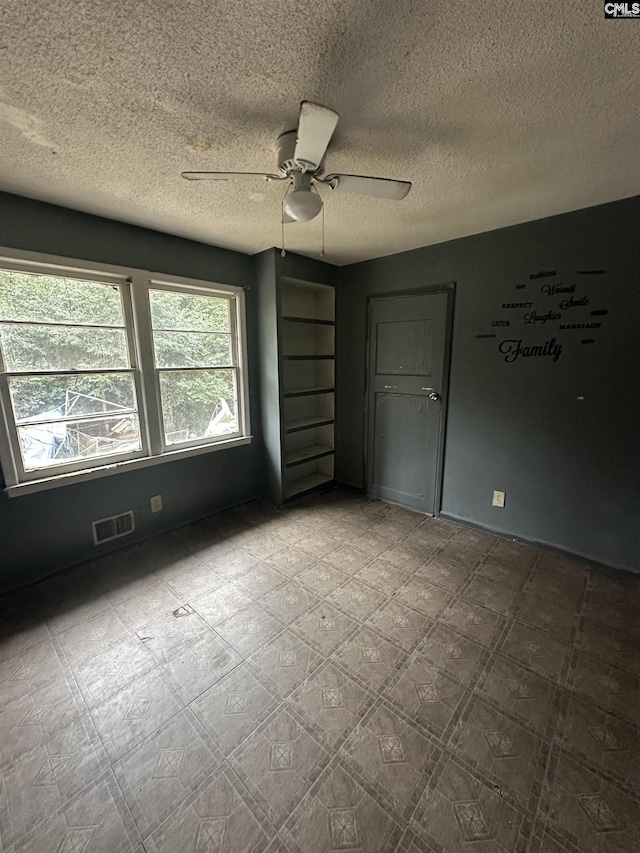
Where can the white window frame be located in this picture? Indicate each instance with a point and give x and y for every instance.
(135, 285)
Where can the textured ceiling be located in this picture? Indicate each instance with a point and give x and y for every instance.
(498, 112)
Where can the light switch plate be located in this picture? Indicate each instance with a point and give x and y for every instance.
(498, 498)
(156, 503)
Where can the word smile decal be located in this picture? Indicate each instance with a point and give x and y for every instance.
(513, 349)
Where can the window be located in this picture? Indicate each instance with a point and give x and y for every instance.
(195, 349)
(102, 367)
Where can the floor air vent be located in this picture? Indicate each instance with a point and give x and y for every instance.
(113, 528)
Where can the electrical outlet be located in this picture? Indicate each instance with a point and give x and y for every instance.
(156, 503)
(498, 498)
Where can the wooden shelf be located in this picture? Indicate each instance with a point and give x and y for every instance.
(306, 454)
(307, 423)
(308, 392)
(306, 484)
(310, 320)
(308, 357)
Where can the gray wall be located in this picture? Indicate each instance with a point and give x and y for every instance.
(570, 467)
(44, 532)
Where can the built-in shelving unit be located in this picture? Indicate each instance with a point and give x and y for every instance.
(296, 306)
(308, 355)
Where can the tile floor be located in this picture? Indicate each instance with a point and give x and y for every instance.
(339, 675)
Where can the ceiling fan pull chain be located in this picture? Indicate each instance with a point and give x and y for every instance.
(283, 252)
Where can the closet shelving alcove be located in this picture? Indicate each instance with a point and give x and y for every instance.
(296, 317)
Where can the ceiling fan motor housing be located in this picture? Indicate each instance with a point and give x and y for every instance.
(287, 165)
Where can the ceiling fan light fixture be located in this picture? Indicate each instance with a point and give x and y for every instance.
(302, 205)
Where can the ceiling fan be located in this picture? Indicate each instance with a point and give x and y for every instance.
(301, 162)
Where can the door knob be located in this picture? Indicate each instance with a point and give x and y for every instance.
(433, 395)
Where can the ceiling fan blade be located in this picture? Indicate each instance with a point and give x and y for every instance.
(380, 187)
(315, 129)
(231, 176)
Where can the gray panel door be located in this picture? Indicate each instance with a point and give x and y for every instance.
(406, 363)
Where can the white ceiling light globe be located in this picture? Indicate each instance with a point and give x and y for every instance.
(302, 205)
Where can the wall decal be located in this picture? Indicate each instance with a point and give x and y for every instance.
(517, 304)
(501, 323)
(543, 274)
(552, 289)
(588, 341)
(566, 326)
(534, 317)
(571, 302)
(520, 286)
(591, 272)
(601, 312)
(490, 335)
(513, 349)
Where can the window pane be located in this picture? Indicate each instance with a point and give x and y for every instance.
(186, 349)
(198, 404)
(46, 445)
(60, 397)
(62, 348)
(188, 312)
(48, 298)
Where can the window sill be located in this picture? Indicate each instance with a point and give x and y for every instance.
(120, 467)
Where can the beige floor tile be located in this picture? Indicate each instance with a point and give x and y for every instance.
(538, 650)
(217, 605)
(426, 597)
(278, 763)
(442, 573)
(30, 719)
(19, 675)
(522, 693)
(348, 559)
(219, 816)
(427, 695)
(612, 688)
(469, 618)
(321, 579)
(234, 707)
(492, 594)
(287, 661)
(500, 748)
(391, 754)
(134, 713)
(603, 740)
(332, 700)
(541, 612)
(249, 629)
(401, 624)
(160, 773)
(325, 628)
(194, 668)
(370, 657)
(595, 815)
(339, 814)
(94, 821)
(383, 576)
(459, 813)
(40, 781)
(291, 561)
(289, 601)
(462, 553)
(453, 653)
(357, 599)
